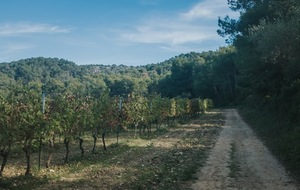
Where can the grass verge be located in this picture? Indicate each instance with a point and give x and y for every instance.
(280, 135)
(233, 164)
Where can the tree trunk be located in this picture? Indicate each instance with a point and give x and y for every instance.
(144, 128)
(103, 139)
(40, 152)
(135, 129)
(26, 149)
(140, 128)
(51, 145)
(235, 81)
(118, 131)
(230, 85)
(4, 153)
(80, 146)
(95, 141)
(66, 142)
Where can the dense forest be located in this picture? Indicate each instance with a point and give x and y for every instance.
(206, 75)
(267, 41)
(259, 70)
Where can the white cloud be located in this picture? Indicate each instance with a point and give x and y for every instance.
(30, 28)
(9, 50)
(209, 9)
(172, 33)
(196, 25)
(13, 47)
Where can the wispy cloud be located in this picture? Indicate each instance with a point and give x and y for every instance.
(208, 9)
(15, 47)
(30, 28)
(9, 50)
(195, 25)
(166, 32)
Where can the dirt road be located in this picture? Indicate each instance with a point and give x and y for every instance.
(239, 160)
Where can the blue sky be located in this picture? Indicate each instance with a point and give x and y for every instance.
(129, 32)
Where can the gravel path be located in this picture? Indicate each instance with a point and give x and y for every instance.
(239, 160)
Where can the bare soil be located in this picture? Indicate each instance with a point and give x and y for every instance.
(239, 160)
(226, 153)
(163, 159)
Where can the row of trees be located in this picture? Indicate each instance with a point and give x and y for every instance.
(267, 38)
(27, 121)
(208, 75)
(267, 41)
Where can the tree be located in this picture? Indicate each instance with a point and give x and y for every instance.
(66, 118)
(31, 122)
(105, 116)
(137, 106)
(84, 118)
(8, 127)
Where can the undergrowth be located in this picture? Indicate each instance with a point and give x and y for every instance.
(280, 135)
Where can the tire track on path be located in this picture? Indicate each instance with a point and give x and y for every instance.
(256, 167)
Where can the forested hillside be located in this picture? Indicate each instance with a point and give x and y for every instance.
(206, 75)
(58, 75)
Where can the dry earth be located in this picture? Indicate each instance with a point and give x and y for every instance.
(240, 160)
(163, 159)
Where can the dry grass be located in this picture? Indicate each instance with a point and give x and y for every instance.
(163, 159)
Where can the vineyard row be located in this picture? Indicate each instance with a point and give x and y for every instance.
(27, 120)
